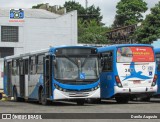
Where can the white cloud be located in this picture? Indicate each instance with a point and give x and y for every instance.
(108, 7)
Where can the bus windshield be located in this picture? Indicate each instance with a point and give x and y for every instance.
(135, 54)
(76, 68)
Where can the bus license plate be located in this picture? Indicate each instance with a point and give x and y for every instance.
(136, 82)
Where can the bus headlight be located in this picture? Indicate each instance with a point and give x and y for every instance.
(59, 88)
(95, 88)
(56, 86)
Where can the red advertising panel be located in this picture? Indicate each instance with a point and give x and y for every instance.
(135, 54)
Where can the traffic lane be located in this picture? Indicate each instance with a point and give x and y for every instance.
(106, 106)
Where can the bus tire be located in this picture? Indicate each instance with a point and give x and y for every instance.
(96, 101)
(80, 102)
(15, 96)
(0, 96)
(39, 95)
(122, 99)
(44, 101)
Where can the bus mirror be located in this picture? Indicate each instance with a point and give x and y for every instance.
(54, 62)
(79, 63)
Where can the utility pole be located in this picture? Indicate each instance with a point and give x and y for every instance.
(86, 4)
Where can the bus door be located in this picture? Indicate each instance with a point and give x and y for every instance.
(47, 76)
(22, 79)
(107, 75)
(9, 73)
(26, 76)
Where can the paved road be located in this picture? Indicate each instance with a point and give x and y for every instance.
(106, 106)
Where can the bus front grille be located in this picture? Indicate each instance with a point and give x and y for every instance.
(77, 94)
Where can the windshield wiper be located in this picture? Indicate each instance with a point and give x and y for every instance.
(71, 60)
(85, 61)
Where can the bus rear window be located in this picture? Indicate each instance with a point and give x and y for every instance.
(135, 54)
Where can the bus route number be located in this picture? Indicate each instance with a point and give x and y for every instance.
(128, 70)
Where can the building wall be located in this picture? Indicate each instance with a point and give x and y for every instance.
(18, 46)
(40, 33)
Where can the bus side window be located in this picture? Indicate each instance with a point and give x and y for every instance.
(107, 58)
(158, 61)
(33, 65)
(26, 67)
(40, 64)
(5, 67)
(21, 67)
(17, 67)
(14, 68)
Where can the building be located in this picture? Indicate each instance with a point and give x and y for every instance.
(38, 29)
(122, 35)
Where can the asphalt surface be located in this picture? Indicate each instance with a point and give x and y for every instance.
(106, 106)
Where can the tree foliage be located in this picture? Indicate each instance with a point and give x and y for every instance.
(90, 27)
(93, 13)
(37, 6)
(86, 14)
(149, 31)
(129, 12)
(91, 33)
(72, 5)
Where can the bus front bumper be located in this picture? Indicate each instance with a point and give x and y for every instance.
(58, 95)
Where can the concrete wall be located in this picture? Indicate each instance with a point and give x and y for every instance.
(40, 33)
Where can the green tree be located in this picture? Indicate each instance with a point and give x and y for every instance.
(94, 14)
(149, 31)
(90, 27)
(90, 13)
(37, 6)
(72, 5)
(129, 12)
(91, 32)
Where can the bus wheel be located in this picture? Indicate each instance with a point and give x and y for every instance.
(15, 97)
(0, 96)
(122, 99)
(43, 99)
(40, 96)
(80, 102)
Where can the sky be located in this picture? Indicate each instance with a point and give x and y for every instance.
(108, 7)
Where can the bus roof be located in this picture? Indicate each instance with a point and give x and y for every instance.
(113, 47)
(48, 50)
(52, 49)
